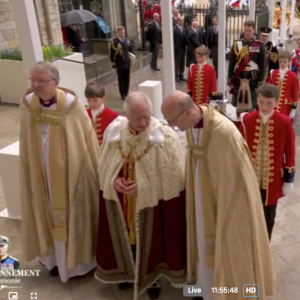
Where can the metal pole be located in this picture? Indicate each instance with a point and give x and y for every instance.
(282, 24)
(168, 48)
(142, 25)
(252, 10)
(293, 4)
(222, 46)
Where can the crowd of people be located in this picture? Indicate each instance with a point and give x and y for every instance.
(120, 193)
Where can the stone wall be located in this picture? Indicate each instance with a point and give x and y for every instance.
(8, 30)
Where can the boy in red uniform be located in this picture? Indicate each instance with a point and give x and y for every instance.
(288, 85)
(201, 81)
(271, 140)
(100, 115)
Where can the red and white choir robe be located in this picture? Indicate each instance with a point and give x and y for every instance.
(271, 140)
(201, 82)
(288, 86)
(101, 118)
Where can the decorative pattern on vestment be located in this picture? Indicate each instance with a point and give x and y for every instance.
(263, 153)
(281, 84)
(199, 84)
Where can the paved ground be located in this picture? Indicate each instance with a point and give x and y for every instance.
(285, 242)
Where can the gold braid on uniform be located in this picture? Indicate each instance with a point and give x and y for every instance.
(118, 49)
(242, 54)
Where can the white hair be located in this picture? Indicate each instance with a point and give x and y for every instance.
(50, 67)
(135, 98)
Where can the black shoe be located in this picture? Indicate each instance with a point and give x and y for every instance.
(182, 79)
(155, 69)
(125, 286)
(178, 80)
(154, 291)
(198, 298)
(123, 97)
(54, 272)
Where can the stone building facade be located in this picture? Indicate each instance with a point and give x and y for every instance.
(8, 29)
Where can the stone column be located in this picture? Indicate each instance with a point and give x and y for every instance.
(222, 46)
(293, 4)
(282, 24)
(252, 10)
(168, 48)
(28, 33)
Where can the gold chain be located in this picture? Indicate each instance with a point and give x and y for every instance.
(138, 158)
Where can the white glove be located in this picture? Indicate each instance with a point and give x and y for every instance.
(287, 188)
(292, 113)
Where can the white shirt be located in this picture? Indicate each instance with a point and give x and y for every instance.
(96, 112)
(282, 73)
(265, 118)
(201, 65)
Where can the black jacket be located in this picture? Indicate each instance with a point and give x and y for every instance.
(193, 42)
(179, 39)
(154, 35)
(119, 53)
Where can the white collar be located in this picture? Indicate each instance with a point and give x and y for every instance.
(156, 133)
(201, 65)
(284, 70)
(98, 111)
(265, 118)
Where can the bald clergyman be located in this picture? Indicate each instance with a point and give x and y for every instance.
(226, 233)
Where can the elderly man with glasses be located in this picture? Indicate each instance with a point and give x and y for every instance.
(227, 242)
(59, 184)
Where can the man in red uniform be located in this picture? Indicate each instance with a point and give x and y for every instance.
(100, 115)
(201, 83)
(271, 140)
(288, 85)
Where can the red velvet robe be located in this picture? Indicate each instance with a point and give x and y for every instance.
(288, 90)
(201, 83)
(102, 121)
(277, 164)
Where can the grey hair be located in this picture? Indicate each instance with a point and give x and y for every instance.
(45, 65)
(135, 98)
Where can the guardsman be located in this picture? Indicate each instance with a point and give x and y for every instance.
(120, 60)
(271, 51)
(7, 262)
(246, 70)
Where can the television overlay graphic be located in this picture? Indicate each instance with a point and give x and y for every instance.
(251, 290)
(11, 275)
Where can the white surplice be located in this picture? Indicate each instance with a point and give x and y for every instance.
(205, 276)
(59, 257)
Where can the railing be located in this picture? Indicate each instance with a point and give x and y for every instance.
(81, 62)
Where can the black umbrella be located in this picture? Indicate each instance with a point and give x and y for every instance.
(77, 16)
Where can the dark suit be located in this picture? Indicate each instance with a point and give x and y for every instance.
(119, 57)
(202, 36)
(155, 38)
(193, 42)
(179, 50)
(174, 21)
(212, 41)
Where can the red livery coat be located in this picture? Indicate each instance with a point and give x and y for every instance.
(272, 149)
(202, 82)
(288, 90)
(103, 119)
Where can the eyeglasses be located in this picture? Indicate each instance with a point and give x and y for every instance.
(39, 82)
(173, 121)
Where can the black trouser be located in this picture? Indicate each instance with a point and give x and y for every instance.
(214, 56)
(179, 63)
(123, 81)
(270, 213)
(153, 63)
